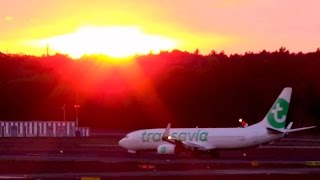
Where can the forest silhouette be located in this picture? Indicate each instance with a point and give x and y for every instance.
(186, 89)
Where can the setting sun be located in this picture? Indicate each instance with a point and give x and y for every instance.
(116, 41)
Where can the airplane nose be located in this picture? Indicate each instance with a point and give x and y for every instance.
(122, 142)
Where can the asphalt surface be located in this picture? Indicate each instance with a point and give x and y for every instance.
(101, 157)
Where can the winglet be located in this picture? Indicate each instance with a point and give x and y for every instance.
(166, 134)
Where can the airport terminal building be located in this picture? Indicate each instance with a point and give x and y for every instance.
(42, 129)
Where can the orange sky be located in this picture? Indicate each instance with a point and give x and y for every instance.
(235, 26)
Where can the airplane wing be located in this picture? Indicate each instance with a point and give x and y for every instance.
(187, 145)
(194, 146)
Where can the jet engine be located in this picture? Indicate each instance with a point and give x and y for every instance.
(166, 149)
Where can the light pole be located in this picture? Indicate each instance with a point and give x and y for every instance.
(64, 112)
(77, 106)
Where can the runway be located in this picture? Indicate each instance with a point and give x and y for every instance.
(101, 157)
(193, 174)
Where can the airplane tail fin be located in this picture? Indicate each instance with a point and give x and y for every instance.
(277, 115)
(275, 120)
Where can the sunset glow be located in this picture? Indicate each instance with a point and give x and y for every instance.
(111, 41)
(128, 64)
(124, 28)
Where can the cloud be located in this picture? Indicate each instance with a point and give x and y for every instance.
(7, 18)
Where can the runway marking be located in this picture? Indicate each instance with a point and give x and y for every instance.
(301, 139)
(313, 163)
(289, 147)
(99, 145)
(266, 146)
(12, 177)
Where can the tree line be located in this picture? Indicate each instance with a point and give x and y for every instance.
(186, 89)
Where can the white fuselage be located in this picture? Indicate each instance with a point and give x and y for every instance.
(211, 138)
(270, 128)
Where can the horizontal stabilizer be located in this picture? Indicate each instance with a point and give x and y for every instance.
(279, 131)
(300, 129)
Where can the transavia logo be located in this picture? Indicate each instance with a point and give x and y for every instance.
(278, 113)
(197, 135)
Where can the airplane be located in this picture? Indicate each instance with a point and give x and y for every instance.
(210, 140)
